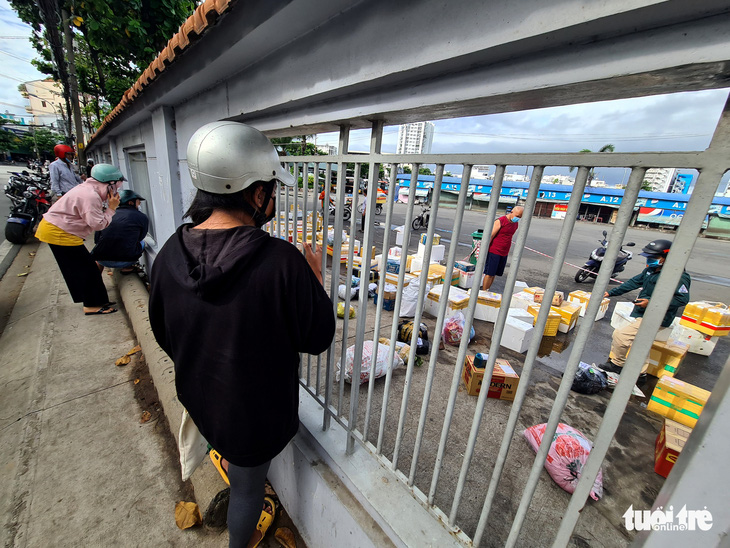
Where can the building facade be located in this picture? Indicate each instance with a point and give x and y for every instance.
(45, 103)
(660, 178)
(415, 138)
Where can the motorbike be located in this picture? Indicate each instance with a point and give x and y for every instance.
(347, 213)
(30, 197)
(422, 219)
(590, 269)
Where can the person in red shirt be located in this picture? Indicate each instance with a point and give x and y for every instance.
(500, 242)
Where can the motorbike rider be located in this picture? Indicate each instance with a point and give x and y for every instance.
(121, 244)
(63, 176)
(656, 253)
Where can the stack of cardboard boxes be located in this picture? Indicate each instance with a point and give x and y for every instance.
(503, 384)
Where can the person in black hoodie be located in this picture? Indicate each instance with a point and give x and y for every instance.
(121, 244)
(233, 307)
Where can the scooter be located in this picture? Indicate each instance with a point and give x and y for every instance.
(590, 269)
(346, 214)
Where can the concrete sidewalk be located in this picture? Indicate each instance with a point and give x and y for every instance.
(77, 467)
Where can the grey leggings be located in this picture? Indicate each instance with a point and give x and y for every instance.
(246, 502)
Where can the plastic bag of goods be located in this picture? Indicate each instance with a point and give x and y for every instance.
(342, 291)
(589, 379)
(403, 351)
(567, 456)
(409, 300)
(454, 329)
(341, 311)
(372, 290)
(381, 362)
(405, 332)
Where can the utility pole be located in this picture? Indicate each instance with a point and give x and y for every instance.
(74, 87)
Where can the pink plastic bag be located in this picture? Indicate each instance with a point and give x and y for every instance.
(567, 456)
(453, 329)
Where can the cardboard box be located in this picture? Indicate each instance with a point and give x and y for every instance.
(388, 300)
(424, 238)
(517, 335)
(677, 400)
(558, 297)
(669, 444)
(581, 298)
(503, 385)
(437, 252)
(464, 266)
(712, 319)
(553, 321)
(417, 264)
(488, 304)
(533, 290)
(665, 358)
(697, 343)
(458, 300)
(569, 314)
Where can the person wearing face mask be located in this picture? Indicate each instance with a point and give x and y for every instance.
(500, 243)
(121, 244)
(61, 172)
(83, 209)
(656, 253)
(234, 307)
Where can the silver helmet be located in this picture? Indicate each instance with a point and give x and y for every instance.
(225, 157)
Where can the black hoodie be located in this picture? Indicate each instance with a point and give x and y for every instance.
(233, 309)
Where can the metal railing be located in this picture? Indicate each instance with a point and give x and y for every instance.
(318, 375)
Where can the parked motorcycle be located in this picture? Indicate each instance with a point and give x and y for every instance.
(347, 213)
(31, 198)
(590, 269)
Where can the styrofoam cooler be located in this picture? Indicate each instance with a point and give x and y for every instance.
(517, 335)
(621, 316)
(488, 304)
(437, 252)
(466, 279)
(521, 300)
(698, 343)
(399, 235)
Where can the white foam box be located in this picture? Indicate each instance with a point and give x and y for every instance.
(522, 300)
(399, 234)
(569, 314)
(465, 266)
(517, 335)
(394, 252)
(466, 279)
(488, 304)
(458, 300)
(698, 343)
(417, 264)
(520, 314)
(621, 316)
(437, 252)
(520, 286)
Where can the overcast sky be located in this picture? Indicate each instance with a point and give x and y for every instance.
(677, 122)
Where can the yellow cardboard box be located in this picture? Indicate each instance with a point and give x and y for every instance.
(678, 400)
(665, 358)
(553, 321)
(710, 318)
(569, 314)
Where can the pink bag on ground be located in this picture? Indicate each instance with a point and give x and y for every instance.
(567, 456)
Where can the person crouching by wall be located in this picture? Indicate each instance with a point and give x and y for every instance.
(83, 209)
(121, 244)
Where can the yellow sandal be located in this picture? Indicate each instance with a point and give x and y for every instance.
(215, 456)
(265, 521)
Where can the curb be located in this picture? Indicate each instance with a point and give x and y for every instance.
(8, 252)
(205, 480)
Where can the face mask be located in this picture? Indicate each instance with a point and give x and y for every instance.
(260, 218)
(515, 219)
(652, 263)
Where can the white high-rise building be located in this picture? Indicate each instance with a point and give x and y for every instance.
(660, 178)
(415, 138)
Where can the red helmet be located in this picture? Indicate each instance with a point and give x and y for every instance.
(61, 150)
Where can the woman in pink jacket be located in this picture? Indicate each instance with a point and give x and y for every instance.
(82, 210)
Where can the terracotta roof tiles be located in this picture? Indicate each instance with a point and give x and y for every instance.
(196, 25)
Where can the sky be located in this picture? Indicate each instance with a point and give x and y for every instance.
(676, 122)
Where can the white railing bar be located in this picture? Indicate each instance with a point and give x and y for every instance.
(458, 366)
(323, 266)
(376, 139)
(435, 198)
(671, 273)
(295, 230)
(458, 218)
(365, 273)
(550, 287)
(344, 143)
(381, 286)
(279, 206)
(357, 360)
(305, 233)
(681, 160)
(286, 206)
(519, 245)
(398, 298)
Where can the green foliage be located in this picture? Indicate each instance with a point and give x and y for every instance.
(8, 140)
(424, 171)
(646, 185)
(407, 169)
(42, 140)
(592, 172)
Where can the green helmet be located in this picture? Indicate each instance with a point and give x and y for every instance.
(106, 173)
(127, 195)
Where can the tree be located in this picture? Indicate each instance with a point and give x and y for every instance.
(8, 140)
(41, 141)
(407, 169)
(424, 171)
(646, 185)
(113, 42)
(592, 173)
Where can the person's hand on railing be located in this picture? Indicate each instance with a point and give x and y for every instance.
(314, 259)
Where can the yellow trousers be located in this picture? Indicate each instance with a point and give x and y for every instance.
(623, 339)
